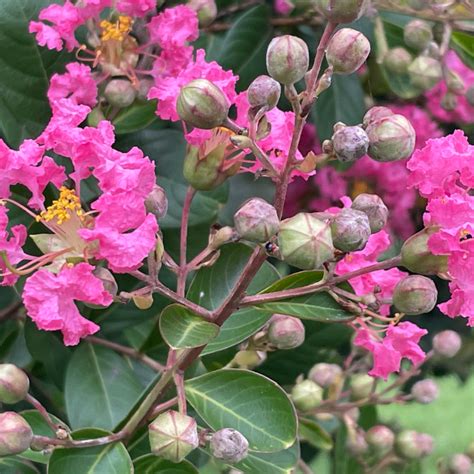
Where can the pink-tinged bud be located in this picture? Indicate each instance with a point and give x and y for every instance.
(356, 443)
(229, 445)
(418, 258)
(306, 395)
(412, 445)
(206, 11)
(470, 95)
(325, 374)
(415, 294)
(287, 59)
(347, 51)
(342, 11)
(256, 220)
(447, 343)
(14, 384)
(417, 34)
(425, 391)
(449, 101)
(264, 92)
(374, 208)
(374, 114)
(249, 359)
(397, 60)
(425, 72)
(350, 230)
(391, 138)
(380, 438)
(459, 464)
(143, 302)
(305, 241)
(285, 332)
(173, 436)
(361, 386)
(15, 434)
(157, 202)
(350, 143)
(120, 93)
(107, 279)
(202, 104)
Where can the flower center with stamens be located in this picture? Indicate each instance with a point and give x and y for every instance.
(62, 209)
(118, 30)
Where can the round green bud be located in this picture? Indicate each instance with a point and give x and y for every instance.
(374, 208)
(425, 391)
(256, 220)
(455, 83)
(459, 464)
(374, 114)
(120, 93)
(15, 434)
(425, 72)
(325, 374)
(173, 436)
(447, 343)
(415, 294)
(305, 241)
(449, 101)
(264, 92)
(350, 230)
(285, 332)
(397, 60)
(156, 202)
(361, 386)
(356, 443)
(350, 143)
(206, 11)
(347, 51)
(391, 138)
(249, 359)
(202, 104)
(229, 445)
(14, 384)
(307, 395)
(417, 34)
(412, 445)
(380, 438)
(287, 59)
(342, 11)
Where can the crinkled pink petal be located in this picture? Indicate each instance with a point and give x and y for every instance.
(404, 338)
(46, 35)
(136, 8)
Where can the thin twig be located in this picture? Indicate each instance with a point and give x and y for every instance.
(42, 411)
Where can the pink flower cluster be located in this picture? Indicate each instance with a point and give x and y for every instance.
(443, 173)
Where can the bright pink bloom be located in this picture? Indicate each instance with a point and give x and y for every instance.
(49, 300)
(136, 8)
(400, 342)
(77, 84)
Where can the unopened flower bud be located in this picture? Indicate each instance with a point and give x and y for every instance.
(350, 230)
(356, 443)
(470, 451)
(470, 95)
(425, 391)
(14, 384)
(143, 302)
(202, 104)
(206, 11)
(449, 101)
(433, 51)
(325, 374)
(374, 114)
(447, 343)
(412, 445)
(256, 220)
(342, 11)
(144, 87)
(157, 202)
(305, 241)
(287, 59)
(361, 386)
(380, 438)
(454, 82)
(120, 93)
(15, 434)
(391, 138)
(229, 445)
(397, 60)
(415, 294)
(418, 258)
(249, 359)
(285, 332)
(425, 72)
(222, 236)
(347, 51)
(459, 464)
(417, 34)
(374, 208)
(107, 279)
(173, 436)
(306, 395)
(350, 143)
(264, 92)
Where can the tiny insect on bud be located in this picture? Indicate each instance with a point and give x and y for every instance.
(325, 374)
(14, 384)
(414, 295)
(306, 395)
(412, 445)
(229, 445)
(107, 279)
(206, 11)
(350, 230)
(447, 343)
(380, 438)
(361, 386)
(425, 72)
(350, 143)
(374, 208)
(256, 220)
(173, 436)
(287, 59)
(425, 391)
(459, 464)
(397, 60)
(264, 92)
(342, 11)
(15, 434)
(157, 202)
(417, 34)
(120, 93)
(347, 51)
(285, 332)
(202, 104)
(374, 114)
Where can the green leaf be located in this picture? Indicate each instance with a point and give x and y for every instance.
(247, 402)
(150, 464)
(12, 465)
(463, 44)
(317, 306)
(314, 434)
(182, 329)
(137, 116)
(100, 388)
(106, 459)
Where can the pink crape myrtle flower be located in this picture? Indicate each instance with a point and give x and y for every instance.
(49, 300)
(400, 342)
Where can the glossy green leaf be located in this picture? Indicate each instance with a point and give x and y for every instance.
(314, 434)
(247, 402)
(100, 388)
(135, 117)
(105, 459)
(150, 464)
(463, 44)
(13, 465)
(182, 329)
(317, 306)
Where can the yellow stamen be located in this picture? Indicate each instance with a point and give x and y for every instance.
(63, 208)
(117, 31)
